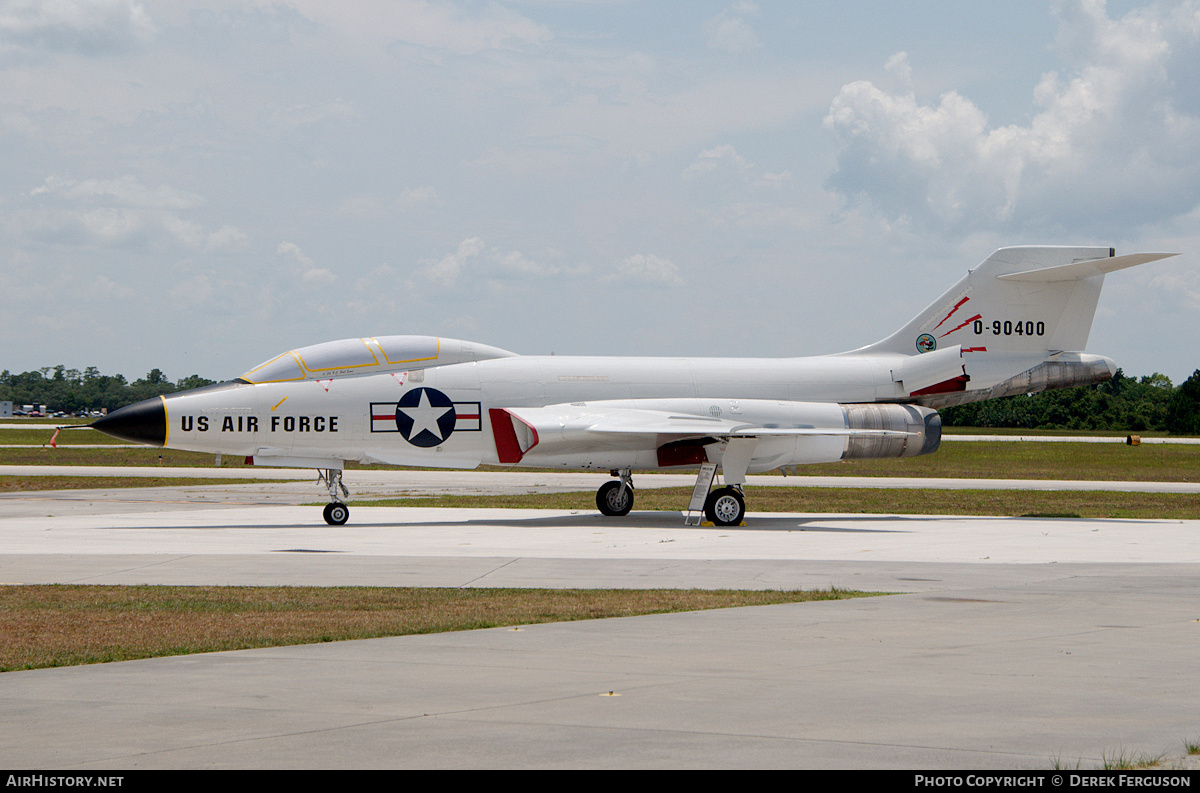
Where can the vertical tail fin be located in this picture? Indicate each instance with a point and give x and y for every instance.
(1020, 300)
(1017, 323)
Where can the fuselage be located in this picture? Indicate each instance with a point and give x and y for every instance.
(310, 418)
(361, 417)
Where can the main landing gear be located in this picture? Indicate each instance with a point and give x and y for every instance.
(336, 512)
(615, 499)
(725, 506)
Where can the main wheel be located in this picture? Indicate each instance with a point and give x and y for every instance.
(337, 513)
(613, 500)
(725, 507)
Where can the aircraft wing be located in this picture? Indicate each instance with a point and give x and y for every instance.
(677, 429)
(628, 424)
(601, 421)
(622, 421)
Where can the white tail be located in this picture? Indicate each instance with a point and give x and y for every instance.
(1019, 322)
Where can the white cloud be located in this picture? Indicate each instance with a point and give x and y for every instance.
(379, 206)
(226, 235)
(125, 190)
(473, 261)
(729, 30)
(119, 211)
(195, 237)
(195, 291)
(775, 179)
(721, 156)
(898, 65)
(521, 266)
(447, 269)
(106, 286)
(305, 268)
(379, 23)
(113, 224)
(647, 119)
(1113, 139)
(88, 27)
(1182, 284)
(415, 197)
(645, 268)
(726, 161)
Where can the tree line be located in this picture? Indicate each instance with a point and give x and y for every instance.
(73, 391)
(1124, 404)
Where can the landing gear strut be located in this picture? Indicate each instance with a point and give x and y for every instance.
(615, 499)
(724, 506)
(336, 512)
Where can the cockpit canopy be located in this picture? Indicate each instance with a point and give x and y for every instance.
(369, 356)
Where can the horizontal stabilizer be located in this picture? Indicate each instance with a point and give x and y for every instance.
(1085, 269)
(918, 372)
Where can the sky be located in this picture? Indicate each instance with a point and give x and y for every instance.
(199, 186)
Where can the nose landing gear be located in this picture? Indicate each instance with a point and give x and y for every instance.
(336, 512)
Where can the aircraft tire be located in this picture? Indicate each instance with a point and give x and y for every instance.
(612, 502)
(337, 513)
(725, 507)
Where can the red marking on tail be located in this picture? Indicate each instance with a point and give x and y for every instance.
(957, 306)
(965, 323)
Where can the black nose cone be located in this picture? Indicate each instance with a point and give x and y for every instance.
(141, 422)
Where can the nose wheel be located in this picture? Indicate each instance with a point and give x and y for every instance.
(336, 512)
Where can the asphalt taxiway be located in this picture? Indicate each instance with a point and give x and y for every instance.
(1014, 642)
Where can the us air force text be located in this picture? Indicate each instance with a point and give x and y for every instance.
(250, 423)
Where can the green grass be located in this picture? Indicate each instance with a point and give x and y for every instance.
(1030, 460)
(890, 501)
(22, 421)
(948, 430)
(20, 484)
(141, 456)
(42, 435)
(1122, 761)
(46, 626)
(971, 460)
(1058, 764)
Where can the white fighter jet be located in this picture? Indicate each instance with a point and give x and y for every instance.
(1017, 323)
